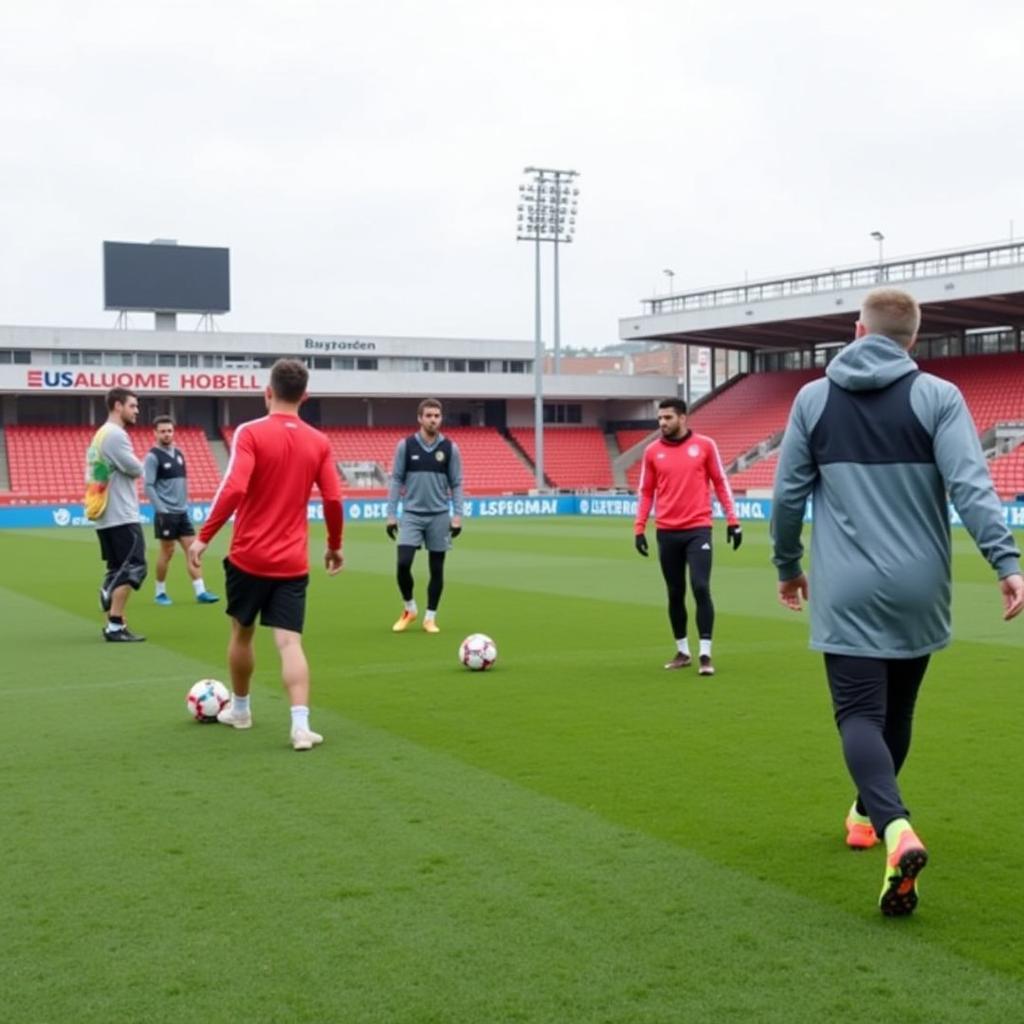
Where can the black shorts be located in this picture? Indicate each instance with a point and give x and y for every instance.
(280, 603)
(172, 525)
(123, 548)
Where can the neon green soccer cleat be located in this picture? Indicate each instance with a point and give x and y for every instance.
(902, 866)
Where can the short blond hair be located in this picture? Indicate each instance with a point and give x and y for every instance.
(893, 313)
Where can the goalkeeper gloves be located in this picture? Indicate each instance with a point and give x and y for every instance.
(641, 543)
(392, 529)
(455, 531)
(734, 536)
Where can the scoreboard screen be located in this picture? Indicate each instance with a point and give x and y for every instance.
(163, 278)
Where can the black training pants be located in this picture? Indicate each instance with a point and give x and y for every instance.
(873, 700)
(679, 550)
(406, 553)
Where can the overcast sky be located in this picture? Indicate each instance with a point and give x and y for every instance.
(362, 160)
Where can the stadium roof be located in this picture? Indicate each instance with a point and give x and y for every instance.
(959, 290)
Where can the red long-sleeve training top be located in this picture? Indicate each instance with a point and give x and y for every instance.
(678, 476)
(275, 461)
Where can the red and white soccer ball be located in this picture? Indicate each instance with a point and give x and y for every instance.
(478, 652)
(207, 699)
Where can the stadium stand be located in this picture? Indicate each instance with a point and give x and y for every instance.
(993, 386)
(756, 408)
(625, 439)
(752, 410)
(203, 471)
(573, 456)
(489, 463)
(47, 463)
(758, 477)
(1008, 474)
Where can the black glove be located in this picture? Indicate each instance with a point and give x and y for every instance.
(455, 531)
(641, 543)
(392, 529)
(734, 536)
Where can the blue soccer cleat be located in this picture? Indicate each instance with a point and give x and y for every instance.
(163, 599)
(207, 598)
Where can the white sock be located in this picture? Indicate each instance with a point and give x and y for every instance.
(705, 648)
(300, 717)
(431, 614)
(410, 607)
(198, 586)
(114, 627)
(161, 588)
(240, 704)
(683, 646)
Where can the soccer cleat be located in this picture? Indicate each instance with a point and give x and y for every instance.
(122, 636)
(405, 620)
(163, 599)
(705, 668)
(680, 661)
(305, 739)
(105, 599)
(859, 835)
(207, 598)
(431, 626)
(902, 866)
(236, 719)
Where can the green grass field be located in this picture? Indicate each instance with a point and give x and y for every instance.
(576, 836)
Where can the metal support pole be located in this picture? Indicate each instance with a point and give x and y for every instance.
(546, 213)
(538, 372)
(558, 326)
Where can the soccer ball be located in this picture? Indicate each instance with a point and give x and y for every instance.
(207, 699)
(477, 652)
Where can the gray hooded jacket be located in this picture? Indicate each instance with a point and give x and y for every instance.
(877, 445)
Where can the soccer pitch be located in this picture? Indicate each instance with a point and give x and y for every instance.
(576, 835)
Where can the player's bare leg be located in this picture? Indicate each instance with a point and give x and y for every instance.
(241, 662)
(241, 659)
(203, 596)
(295, 676)
(118, 600)
(193, 572)
(163, 562)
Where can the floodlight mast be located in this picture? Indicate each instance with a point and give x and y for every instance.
(546, 213)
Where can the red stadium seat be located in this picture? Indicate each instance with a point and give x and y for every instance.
(48, 463)
(574, 457)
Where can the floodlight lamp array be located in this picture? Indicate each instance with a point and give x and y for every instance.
(547, 207)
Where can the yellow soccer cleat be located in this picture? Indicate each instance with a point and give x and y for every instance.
(430, 626)
(405, 620)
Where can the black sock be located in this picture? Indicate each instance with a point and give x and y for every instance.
(115, 620)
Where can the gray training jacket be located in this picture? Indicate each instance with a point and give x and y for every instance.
(425, 476)
(168, 490)
(877, 444)
(123, 497)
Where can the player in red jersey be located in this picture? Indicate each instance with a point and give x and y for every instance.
(677, 474)
(275, 461)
